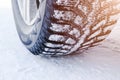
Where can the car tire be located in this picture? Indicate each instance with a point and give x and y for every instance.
(66, 26)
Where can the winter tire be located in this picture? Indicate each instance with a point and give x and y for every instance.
(61, 27)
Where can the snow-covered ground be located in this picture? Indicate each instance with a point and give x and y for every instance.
(17, 63)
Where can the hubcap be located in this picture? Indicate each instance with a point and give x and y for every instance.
(29, 10)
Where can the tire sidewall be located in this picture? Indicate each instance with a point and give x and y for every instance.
(25, 37)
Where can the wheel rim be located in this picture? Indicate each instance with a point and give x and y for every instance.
(29, 30)
(29, 10)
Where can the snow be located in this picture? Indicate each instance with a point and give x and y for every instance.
(17, 63)
(56, 38)
(5, 3)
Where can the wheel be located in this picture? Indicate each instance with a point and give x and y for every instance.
(61, 27)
